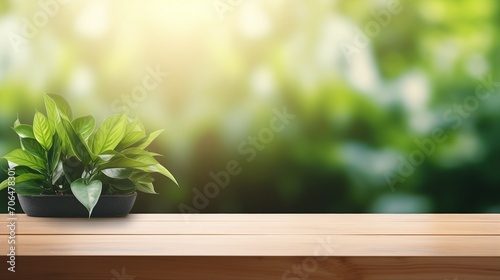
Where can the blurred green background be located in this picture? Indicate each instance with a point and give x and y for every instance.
(369, 83)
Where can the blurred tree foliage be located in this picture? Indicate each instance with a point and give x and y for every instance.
(359, 114)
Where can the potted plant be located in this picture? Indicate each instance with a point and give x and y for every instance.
(70, 168)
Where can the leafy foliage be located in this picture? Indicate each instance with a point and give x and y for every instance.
(61, 155)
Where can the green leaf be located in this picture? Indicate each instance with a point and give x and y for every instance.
(24, 131)
(33, 147)
(130, 139)
(77, 144)
(159, 169)
(142, 177)
(29, 177)
(4, 184)
(29, 188)
(65, 142)
(54, 153)
(134, 133)
(143, 182)
(123, 186)
(109, 134)
(117, 173)
(24, 178)
(87, 193)
(17, 122)
(162, 170)
(84, 126)
(57, 107)
(73, 169)
(20, 170)
(21, 157)
(55, 121)
(58, 173)
(122, 162)
(107, 155)
(51, 109)
(146, 142)
(145, 158)
(135, 125)
(62, 106)
(137, 151)
(43, 130)
(146, 188)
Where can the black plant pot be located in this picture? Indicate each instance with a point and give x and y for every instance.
(69, 206)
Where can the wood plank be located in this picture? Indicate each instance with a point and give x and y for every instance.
(212, 235)
(320, 218)
(102, 227)
(253, 268)
(256, 245)
(278, 224)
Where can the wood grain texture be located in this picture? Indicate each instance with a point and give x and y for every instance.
(286, 217)
(257, 246)
(259, 235)
(260, 228)
(263, 224)
(254, 268)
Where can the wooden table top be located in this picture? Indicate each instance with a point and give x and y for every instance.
(370, 235)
